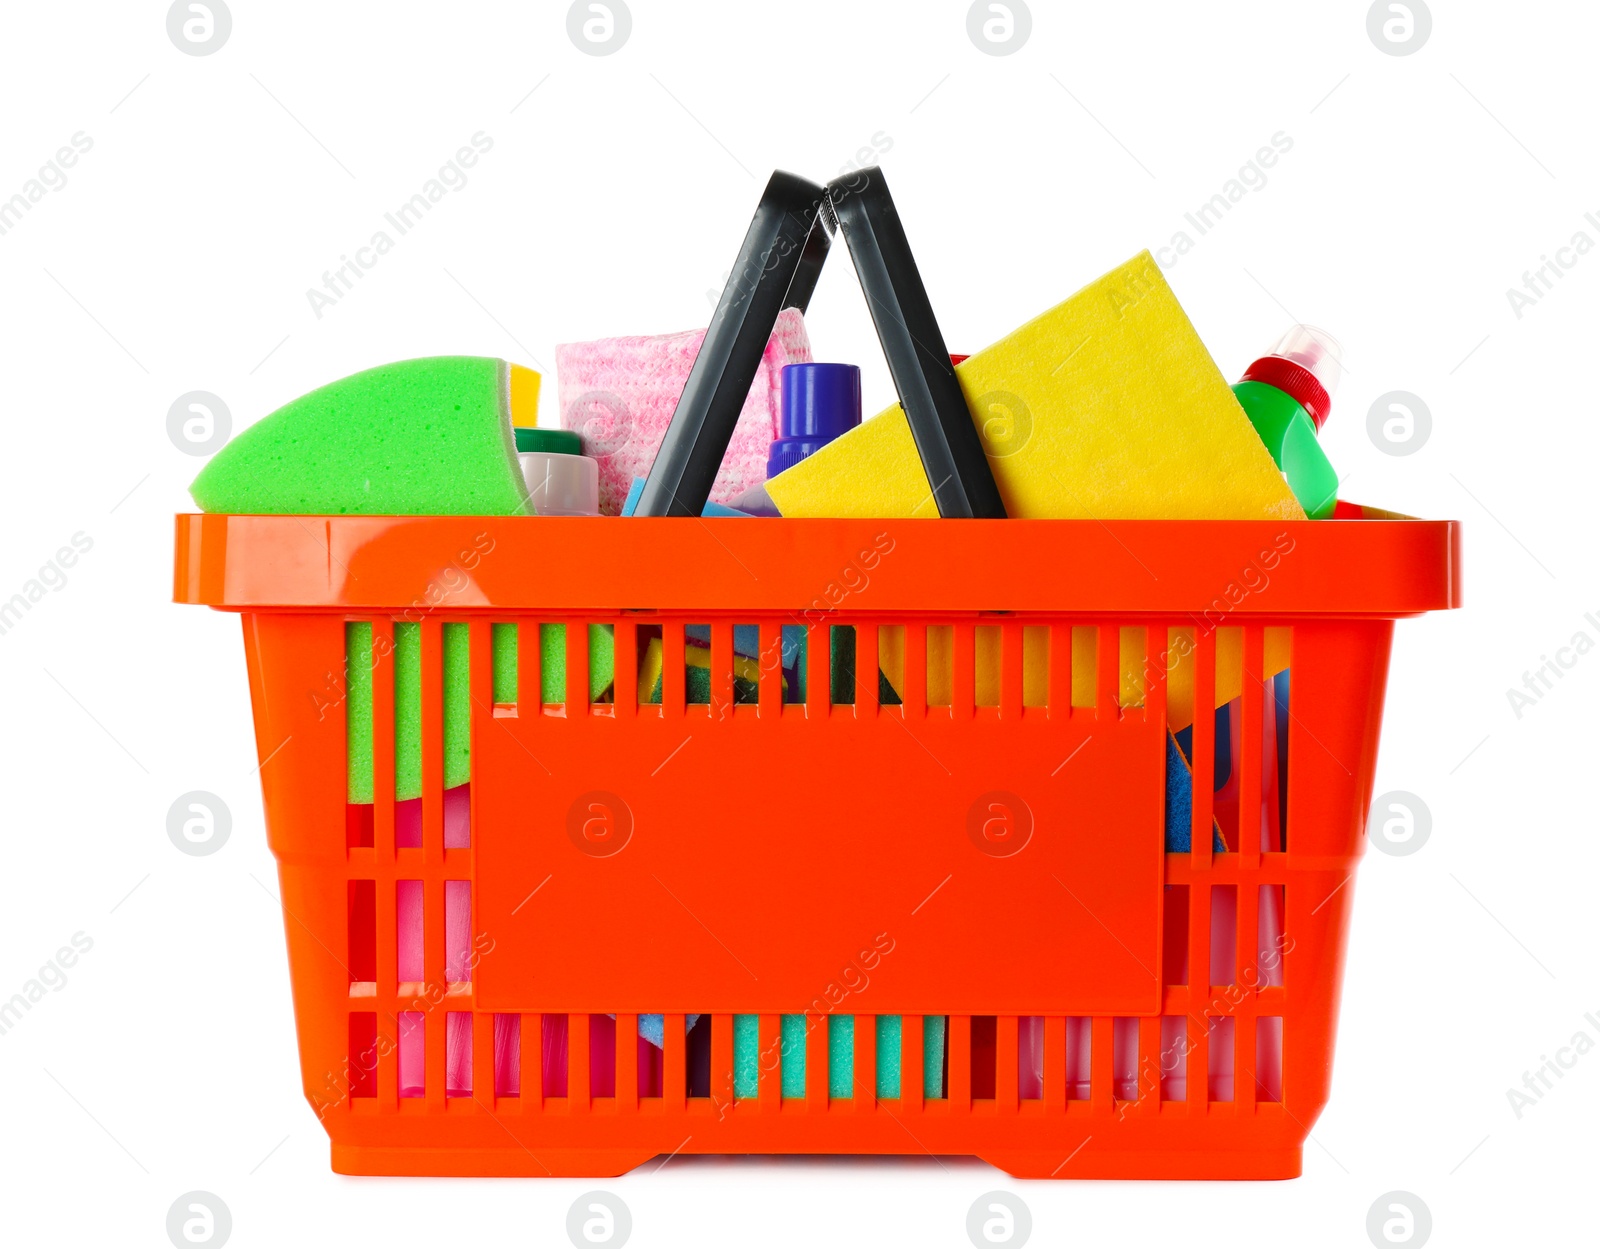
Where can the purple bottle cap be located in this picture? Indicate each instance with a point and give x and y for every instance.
(820, 402)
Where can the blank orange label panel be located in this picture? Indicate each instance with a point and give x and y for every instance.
(760, 863)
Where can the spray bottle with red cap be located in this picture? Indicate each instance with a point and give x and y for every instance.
(1287, 395)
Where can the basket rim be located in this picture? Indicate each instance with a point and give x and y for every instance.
(819, 569)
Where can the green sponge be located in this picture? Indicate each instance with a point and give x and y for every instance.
(457, 708)
(552, 662)
(427, 437)
(697, 687)
(457, 695)
(408, 708)
(358, 709)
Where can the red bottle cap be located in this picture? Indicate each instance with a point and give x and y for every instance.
(1306, 364)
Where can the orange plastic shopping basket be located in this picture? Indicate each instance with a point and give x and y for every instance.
(935, 901)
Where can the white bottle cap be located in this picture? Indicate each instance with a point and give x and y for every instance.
(560, 485)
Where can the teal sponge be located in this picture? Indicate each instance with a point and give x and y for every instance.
(746, 1055)
(792, 1056)
(841, 1055)
(427, 437)
(888, 1055)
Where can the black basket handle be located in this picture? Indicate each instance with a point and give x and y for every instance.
(924, 379)
(783, 250)
(778, 266)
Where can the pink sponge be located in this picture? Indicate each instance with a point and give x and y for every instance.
(619, 393)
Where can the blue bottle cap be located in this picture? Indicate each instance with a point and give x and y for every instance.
(820, 402)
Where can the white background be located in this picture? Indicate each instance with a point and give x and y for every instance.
(1418, 189)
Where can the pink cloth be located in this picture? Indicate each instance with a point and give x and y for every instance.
(508, 1055)
(620, 393)
(1030, 1056)
(457, 820)
(412, 1067)
(552, 1052)
(457, 931)
(458, 1054)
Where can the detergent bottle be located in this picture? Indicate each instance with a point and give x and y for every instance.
(1287, 395)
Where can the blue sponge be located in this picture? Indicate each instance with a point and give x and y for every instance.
(1180, 803)
(653, 1028)
(636, 492)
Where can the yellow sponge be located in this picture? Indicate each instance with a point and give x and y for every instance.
(1107, 406)
(524, 388)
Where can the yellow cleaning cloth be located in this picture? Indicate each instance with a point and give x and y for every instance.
(1130, 665)
(1107, 406)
